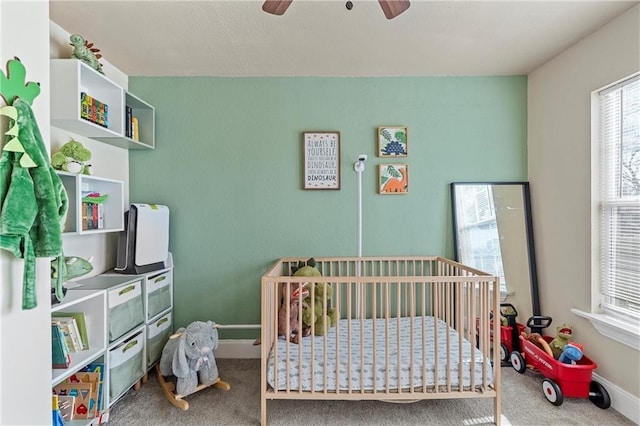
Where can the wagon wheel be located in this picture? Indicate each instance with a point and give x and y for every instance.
(517, 362)
(552, 392)
(599, 395)
(504, 353)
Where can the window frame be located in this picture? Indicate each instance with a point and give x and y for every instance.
(613, 323)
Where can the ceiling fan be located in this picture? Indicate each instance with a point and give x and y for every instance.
(391, 8)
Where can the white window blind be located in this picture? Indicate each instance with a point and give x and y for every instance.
(620, 198)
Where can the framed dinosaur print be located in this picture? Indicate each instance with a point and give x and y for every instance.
(321, 152)
(392, 141)
(393, 179)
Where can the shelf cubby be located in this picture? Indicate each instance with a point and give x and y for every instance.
(71, 78)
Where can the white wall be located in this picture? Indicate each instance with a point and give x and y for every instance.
(559, 143)
(25, 354)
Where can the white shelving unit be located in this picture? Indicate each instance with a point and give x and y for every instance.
(113, 212)
(70, 78)
(94, 305)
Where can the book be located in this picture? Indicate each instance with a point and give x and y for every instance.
(60, 357)
(81, 322)
(128, 124)
(81, 391)
(85, 219)
(71, 332)
(134, 129)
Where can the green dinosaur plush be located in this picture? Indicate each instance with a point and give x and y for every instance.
(72, 267)
(321, 317)
(72, 158)
(83, 51)
(564, 332)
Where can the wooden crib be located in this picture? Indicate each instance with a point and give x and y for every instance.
(406, 331)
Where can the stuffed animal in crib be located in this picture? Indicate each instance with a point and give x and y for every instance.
(188, 355)
(564, 332)
(321, 317)
(292, 321)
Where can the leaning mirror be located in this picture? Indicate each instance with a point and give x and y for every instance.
(493, 233)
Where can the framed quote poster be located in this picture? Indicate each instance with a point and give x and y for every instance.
(321, 151)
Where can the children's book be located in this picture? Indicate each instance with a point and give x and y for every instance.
(81, 324)
(70, 331)
(60, 357)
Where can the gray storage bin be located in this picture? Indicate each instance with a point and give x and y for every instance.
(158, 334)
(158, 293)
(125, 309)
(126, 365)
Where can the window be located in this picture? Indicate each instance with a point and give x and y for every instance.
(619, 199)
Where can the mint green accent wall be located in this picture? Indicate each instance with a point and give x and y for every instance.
(228, 163)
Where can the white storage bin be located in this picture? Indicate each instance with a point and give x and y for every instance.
(158, 293)
(125, 309)
(158, 333)
(126, 365)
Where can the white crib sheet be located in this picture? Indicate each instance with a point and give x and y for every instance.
(363, 370)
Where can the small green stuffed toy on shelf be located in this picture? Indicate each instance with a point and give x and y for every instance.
(72, 158)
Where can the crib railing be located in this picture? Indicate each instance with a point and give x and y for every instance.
(383, 291)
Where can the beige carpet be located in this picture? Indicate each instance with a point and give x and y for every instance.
(522, 400)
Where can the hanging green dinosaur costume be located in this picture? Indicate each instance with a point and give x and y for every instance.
(33, 201)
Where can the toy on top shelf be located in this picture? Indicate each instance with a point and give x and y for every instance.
(85, 51)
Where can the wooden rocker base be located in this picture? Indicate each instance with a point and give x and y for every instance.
(169, 387)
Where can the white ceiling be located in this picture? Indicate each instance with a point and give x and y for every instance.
(323, 38)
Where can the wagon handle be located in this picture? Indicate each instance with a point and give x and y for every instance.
(537, 322)
(508, 313)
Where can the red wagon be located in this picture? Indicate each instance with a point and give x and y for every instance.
(561, 380)
(509, 333)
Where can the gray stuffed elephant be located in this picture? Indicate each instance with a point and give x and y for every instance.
(189, 356)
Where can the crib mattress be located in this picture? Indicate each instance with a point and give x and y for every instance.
(385, 369)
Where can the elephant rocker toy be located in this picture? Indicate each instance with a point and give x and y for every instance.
(188, 356)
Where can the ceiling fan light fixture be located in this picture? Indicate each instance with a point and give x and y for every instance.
(393, 8)
(276, 7)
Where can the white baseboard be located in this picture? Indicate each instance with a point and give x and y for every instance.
(238, 348)
(622, 401)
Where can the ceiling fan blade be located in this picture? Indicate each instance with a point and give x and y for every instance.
(276, 7)
(393, 8)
